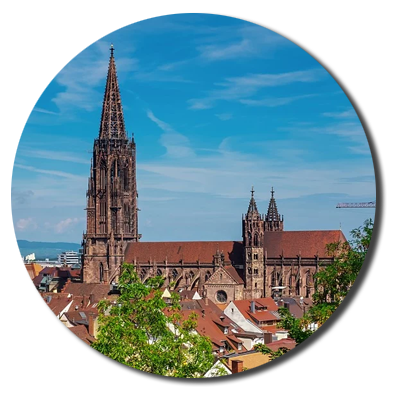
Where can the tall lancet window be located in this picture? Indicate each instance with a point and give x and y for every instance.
(126, 178)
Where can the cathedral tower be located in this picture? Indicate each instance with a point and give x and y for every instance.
(112, 219)
(273, 221)
(253, 244)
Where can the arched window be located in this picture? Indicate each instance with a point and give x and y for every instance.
(221, 296)
(256, 240)
(174, 273)
(249, 238)
(207, 276)
(191, 275)
(159, 272)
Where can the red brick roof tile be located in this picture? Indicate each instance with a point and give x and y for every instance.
(305, 243)
(188, 252)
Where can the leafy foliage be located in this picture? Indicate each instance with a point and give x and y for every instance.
(140, 330)
(333, 284)
(264, 349)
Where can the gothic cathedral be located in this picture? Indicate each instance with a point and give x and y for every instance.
(268, 258)
(112, 219)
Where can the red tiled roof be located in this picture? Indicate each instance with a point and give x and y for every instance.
(288, 343)
(188, 252)
(56, 301)
(305, 243)
(234, 274)
(82, 333)
(99, 290)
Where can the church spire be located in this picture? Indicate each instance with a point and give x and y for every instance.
(273, 220)
(252, 205)
(112, 123)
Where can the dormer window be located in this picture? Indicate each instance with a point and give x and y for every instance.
(240, 346)
(226, 330)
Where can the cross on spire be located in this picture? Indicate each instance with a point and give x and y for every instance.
(252, 205)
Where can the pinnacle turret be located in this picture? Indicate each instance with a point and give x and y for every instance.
(252, 205)
(274, 222)
(112, 123)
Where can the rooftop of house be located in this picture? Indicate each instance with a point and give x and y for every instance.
(278, 344)
(251, 359)
(82, 334)
(57, 302)
(96, 291)
(213, 323)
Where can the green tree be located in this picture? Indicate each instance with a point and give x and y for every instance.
(140, 330)
(332, 283)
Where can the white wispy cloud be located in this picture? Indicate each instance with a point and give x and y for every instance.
(348, 114)
(65, 224)
(53, 155)
(24, 224)
(224, 116)
(243, 87)
(274, 101)
(75, 57)
(226, 172)
(176, 144)
(61, 174)
(36, 109)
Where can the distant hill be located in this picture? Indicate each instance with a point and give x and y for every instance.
(45, 250)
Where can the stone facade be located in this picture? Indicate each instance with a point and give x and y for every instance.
(266, 261)
(112, 220)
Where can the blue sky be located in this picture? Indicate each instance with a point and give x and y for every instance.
(216, 105)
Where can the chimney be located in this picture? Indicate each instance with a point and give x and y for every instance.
(267, 337)
(253, 306)
(237, 366)
(91, 328)
(84, 301)
(91, 298)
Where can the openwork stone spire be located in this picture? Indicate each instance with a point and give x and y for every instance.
(273, 220)
(252, 205)
(112, 123)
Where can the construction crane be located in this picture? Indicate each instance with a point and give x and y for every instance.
(369, 204)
